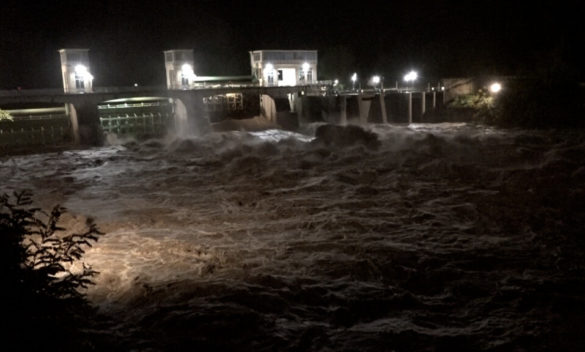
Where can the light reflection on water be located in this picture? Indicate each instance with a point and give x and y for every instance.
(447, 235)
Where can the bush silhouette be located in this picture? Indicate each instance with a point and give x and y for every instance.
(539, 103)
(43, 271)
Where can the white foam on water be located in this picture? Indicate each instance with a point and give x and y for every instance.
(444, 234)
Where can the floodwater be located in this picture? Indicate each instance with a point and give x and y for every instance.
(445, 237)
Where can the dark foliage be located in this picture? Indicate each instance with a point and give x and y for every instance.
(41, 289)
(539, 103)
(544, 101)
(36, 252)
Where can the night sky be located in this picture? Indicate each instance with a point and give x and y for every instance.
(438, 38)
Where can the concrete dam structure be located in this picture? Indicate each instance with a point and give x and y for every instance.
(282, 92)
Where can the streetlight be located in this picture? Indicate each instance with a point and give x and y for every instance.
(411, 76)
(495, 87)
(377, 80)
(353, 79)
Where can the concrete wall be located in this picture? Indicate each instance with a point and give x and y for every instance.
(188, 106)
(367, 109)
(455, 87)
(278, 111)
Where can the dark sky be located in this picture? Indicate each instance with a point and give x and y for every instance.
(438, 38)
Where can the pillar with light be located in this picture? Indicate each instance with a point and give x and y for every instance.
(375, 81)
(380, 80)
(495, 87)
(410, 77)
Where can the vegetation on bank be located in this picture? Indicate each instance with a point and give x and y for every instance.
(528, 103)
(43, 274)
(4, 115)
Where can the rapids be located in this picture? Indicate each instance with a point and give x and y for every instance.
(442, 237)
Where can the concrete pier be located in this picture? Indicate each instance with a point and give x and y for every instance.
(383, 107)
(187, 112)
(364, 108)
(409, 107)
(343, 118)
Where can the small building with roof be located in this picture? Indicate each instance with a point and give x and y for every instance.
(284, 67)
(179, 68)
(75, 71)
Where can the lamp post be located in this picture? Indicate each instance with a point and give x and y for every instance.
(495, 87)
(353, 79)
(410, 77)
(375, 81)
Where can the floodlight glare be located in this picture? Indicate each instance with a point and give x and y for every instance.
(186, 68)
(80, 69)
(376, 79)
(187, 71)
(269, 67)
(306, 66)
(353, 79)
(495, 87)
(411, 76)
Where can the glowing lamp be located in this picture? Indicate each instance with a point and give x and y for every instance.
(81, 70)
(187, 72)
(495, 87)
(186, 68)
(411, 76)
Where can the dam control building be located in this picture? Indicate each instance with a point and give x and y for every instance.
(284, 67)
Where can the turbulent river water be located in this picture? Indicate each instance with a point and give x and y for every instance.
(443, 237)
